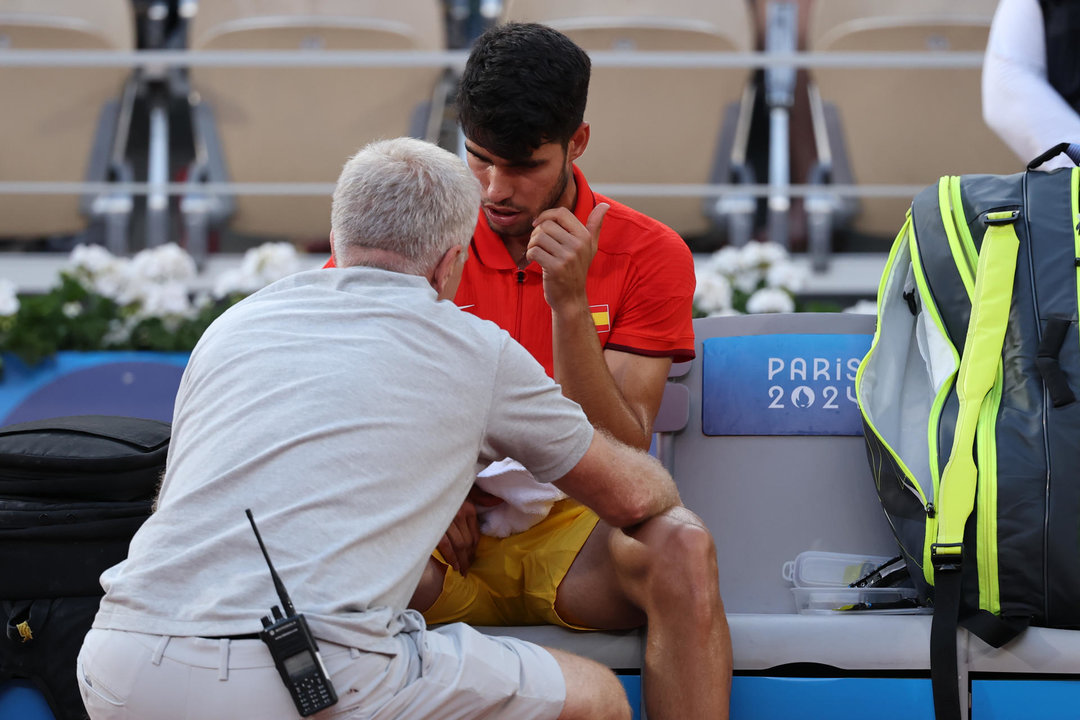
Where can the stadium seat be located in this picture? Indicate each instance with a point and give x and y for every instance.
(63, 124)
(900, 125)
(301, 124)
(659, 125)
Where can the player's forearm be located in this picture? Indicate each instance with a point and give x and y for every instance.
(623, 485)
(585, 378)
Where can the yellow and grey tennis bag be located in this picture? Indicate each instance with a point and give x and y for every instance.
(968, 402)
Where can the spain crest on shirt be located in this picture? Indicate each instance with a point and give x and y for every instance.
(601, 317)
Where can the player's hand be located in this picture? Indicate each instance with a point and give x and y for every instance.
(458, 545)
(564, 249)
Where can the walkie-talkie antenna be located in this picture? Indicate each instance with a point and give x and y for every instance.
(286, 602)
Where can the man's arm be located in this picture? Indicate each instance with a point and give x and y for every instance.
(619, 392)
(1019, 104)
(623, 485)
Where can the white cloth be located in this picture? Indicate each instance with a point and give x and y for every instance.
(1019, 104)
(527, 501)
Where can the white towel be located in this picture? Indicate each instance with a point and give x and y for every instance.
(527, 501)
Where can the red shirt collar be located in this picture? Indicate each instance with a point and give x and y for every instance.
(489, 247)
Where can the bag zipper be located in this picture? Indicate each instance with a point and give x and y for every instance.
(963, 249)
(986, 498)
(961, 226)
(909, 483)
(1075, 195)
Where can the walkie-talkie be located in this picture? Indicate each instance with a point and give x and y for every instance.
(295, 653)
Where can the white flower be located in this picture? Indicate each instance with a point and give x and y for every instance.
(725, 261)
(787, 276)
(164, 263)
(202, 300)
(99, 271)
(163, 299)
(763, 254)
(119, 332)
(770, 300)
(235, 280)
(748, 280)
(71, 310)
(93, 259)
(270, 261)
(260, 266)
(9, 301)
(713, 293)
(865, 307)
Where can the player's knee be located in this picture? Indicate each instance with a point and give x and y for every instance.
(691, 545)
(677, 541)
(682, 564)
(689, 556)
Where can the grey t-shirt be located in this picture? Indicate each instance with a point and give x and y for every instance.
(350, 411)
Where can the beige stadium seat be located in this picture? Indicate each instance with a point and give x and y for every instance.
(899, 125)
(301, 124)
(655, 125)
(58, 124)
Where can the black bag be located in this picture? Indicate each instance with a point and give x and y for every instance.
(968, 396)
(73, 491)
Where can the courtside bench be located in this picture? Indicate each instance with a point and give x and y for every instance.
(771, 456)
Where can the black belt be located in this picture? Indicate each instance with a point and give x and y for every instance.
(249, 636)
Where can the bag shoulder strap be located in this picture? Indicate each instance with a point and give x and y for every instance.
(985, 337)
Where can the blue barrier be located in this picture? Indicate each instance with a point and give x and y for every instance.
(631, 683)
(21, 700)
(135, 384)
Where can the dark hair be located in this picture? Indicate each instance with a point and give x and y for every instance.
(524, 85)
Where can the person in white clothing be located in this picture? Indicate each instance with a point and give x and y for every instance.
(1031, 77)
(349, 409)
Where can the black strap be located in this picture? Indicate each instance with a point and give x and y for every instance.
(1048, 364)
(1072, 150)
(944, 672)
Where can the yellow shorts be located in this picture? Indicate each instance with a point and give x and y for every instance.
(513, 580)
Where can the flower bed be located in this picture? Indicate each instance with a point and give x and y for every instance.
(148, 302)
(758, 277)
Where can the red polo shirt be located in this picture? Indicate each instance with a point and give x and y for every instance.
(640, 285)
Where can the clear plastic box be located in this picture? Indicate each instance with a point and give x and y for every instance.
(823, 600)
(814, 568)
(822, 580)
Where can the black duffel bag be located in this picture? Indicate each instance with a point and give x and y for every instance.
(73, 491)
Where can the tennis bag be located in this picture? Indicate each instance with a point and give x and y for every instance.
(73, 491)
(969, 409)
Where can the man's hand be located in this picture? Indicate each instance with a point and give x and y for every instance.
(458, 545)
(564, 248)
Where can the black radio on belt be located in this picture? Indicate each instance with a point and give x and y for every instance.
(295, 653)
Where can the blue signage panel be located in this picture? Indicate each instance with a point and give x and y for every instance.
(135, 384)
(781, 384)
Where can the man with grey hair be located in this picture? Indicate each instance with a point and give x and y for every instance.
(352, 490)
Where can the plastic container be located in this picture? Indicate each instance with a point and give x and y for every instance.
(816, 569)
(877, 601)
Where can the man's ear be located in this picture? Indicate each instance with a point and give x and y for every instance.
(447, 274)
(578, 142)
(332, 258)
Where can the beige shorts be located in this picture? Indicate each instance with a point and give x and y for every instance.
(448, 672)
